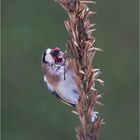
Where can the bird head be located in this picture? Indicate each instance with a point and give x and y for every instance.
(54, 55)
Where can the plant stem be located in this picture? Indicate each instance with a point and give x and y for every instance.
(81, 47)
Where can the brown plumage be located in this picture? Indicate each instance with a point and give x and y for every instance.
(59, 77)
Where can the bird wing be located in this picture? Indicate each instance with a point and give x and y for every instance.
(58, 92)
(67, 89)
(62, 86)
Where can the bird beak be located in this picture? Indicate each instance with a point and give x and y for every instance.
(61, 54)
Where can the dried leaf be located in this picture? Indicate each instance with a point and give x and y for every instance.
(87, 2)
(100, 81)
(96, 74)
(99, 103)
(90, 31)
(95, 49)
(98, 97)
(95, 70)
(75, 112)
(82, 72)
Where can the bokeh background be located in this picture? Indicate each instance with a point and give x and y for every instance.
(29, 112)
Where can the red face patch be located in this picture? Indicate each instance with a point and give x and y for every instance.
(55, 49)
(55, 54)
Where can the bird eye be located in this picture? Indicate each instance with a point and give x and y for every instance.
(55, 53)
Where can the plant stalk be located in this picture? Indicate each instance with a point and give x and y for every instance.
(81, 48)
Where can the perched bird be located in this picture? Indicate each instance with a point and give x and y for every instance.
(59, 77)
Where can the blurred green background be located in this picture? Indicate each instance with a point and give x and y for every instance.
(29, 112)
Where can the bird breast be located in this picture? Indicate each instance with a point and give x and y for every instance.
(61, 80)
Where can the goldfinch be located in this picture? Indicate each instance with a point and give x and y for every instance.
(59, 77)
